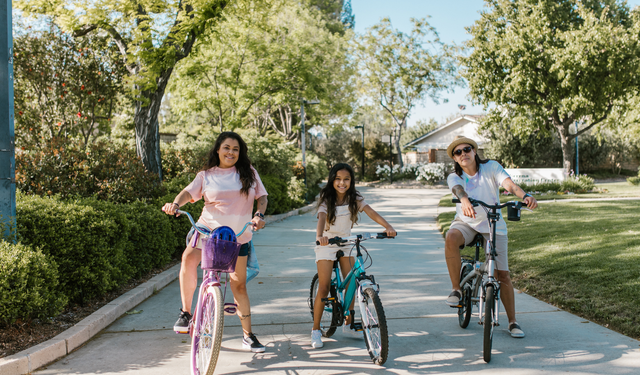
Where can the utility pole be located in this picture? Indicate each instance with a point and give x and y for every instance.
(577, 160)
(7, 131)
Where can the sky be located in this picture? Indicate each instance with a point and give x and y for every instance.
(449, 19)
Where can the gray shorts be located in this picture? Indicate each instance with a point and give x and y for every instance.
(502, 260)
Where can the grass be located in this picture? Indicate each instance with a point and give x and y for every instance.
(583, 257)
(614, 190)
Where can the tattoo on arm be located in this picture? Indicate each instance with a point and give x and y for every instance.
(458, 190)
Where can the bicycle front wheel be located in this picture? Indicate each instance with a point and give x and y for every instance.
(464, 311)
(489, 309)
(374, 324)
(206, 341)
(331, 318)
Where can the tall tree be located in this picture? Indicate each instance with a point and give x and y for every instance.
(152, 36)
(255, 67)
(549, 63)
(401, 70)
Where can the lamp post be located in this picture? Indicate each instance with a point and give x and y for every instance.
(362, 127)
(577, 160)
(7, 130)
(304, 138)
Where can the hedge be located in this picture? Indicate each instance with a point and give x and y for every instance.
(28, 284)
(97, 245)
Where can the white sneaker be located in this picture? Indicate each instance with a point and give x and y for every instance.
(316, 339)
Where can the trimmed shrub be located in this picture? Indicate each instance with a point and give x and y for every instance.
(634, 180)
(578, 184)
(28, 284)
(279, 201)
(86, 238)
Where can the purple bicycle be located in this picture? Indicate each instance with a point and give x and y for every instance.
(219, 254)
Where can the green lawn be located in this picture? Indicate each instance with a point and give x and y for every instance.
(615, 190)
(583, 257)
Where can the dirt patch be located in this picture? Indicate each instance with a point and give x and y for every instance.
(23, 335)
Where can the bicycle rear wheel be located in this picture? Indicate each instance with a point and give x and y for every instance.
(489, 309)
(374, 324)
(464, 311)
(331, 316)
(206, 341)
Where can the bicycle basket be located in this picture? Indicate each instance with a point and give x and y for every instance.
(220, 251)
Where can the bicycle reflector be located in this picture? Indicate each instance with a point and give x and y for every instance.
(513, 211)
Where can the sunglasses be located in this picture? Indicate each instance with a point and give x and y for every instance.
(466, 150)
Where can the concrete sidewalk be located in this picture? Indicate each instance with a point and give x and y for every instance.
(424, 332)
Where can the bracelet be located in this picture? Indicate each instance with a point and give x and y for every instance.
(176, 204)
(260, 215)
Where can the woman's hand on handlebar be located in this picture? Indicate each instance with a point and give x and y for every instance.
(467, 208)
(390, 231)
(322, 240)
(258, 223)
(531, 202)
(170, 209)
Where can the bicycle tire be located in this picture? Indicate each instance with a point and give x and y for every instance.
(489, 307)
(374, 325)
(464, 311)
(330, 316)
(205, 344)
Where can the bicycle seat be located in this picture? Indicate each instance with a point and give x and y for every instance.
(478, 239)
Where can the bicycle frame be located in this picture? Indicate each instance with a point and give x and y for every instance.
(346, 288)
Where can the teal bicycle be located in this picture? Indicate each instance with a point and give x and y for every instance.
(357, 284)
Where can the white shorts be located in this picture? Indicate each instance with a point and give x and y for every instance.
(502, 260)
(327, 252)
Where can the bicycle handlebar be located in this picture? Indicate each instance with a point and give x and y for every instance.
(518, 205)
(362, 237)
(193, 224)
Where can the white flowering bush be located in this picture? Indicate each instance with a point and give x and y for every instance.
(431, 172)
(428, 172)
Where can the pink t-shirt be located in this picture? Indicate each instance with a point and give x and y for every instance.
(224, 204)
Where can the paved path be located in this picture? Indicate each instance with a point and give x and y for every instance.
(425, 336)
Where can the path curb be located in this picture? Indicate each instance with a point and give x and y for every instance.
(29, 360)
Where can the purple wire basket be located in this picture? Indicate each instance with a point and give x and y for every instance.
(220, 255)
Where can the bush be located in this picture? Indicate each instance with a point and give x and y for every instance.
(634, 180)
(541, 187)
(28, 284)
(86, 238)
(429, 172)
(578, 184)
(103, 170)
(279, 200)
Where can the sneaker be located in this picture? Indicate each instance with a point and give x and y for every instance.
(352, 330)
(316, 339)
(516, 331)
(252, 343)
(454, 299)
(182, 325)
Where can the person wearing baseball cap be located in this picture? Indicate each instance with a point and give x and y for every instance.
(479, 179)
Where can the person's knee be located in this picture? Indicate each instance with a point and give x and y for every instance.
(504, 277)
(239, 288)
(454, 239)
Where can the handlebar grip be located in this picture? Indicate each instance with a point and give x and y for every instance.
(317, 242)
(333, 241)
(455, 200)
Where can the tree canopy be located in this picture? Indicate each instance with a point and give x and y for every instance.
(399, 70)
(546, 64)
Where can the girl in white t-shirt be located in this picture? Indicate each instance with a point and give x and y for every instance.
(338, 210)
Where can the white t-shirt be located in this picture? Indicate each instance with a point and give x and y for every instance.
(483, 186)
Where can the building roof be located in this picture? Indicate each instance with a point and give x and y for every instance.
(470, 118)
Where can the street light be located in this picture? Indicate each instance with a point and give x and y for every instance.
(362, 127)
(304, 160)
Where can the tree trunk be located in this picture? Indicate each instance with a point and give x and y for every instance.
(398, 149)
(147, 126)
(563, 134)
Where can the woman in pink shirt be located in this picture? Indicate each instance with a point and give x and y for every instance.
(229, 185)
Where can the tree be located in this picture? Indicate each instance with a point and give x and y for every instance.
(255, 67)
(546, 64)
(401, 70)
(64, 87)
(152, 36)
(420, 128)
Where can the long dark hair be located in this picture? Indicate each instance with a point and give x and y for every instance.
(243, 165)
(329, 196)
(458, 169)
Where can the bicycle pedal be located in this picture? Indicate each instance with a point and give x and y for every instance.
(330, 299)
(357, 327)
(230, 309)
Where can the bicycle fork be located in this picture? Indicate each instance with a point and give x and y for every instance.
(496, 301)
(362, 286)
